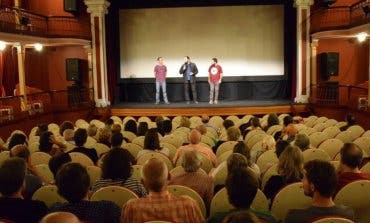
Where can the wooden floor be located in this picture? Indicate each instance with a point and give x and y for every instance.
(253, 110)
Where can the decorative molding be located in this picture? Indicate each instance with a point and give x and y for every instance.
(301, 99)
(303, 3)
(97, 7)
(101, 103)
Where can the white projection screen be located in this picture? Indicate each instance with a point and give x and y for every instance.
(247, 40)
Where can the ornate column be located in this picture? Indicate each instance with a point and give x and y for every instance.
(303, 50)
(97, 10)
(88, 50)
(314, 45)
(368, 82)
(21, 75)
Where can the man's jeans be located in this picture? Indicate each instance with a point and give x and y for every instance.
(158, 85)
(213, 90)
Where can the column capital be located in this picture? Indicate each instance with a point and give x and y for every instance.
(315, 43)
(303, 3)
(97, 7)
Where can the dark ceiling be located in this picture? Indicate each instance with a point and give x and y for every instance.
(190, 3)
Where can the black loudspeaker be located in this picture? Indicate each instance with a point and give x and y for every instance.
(71, 6)
(73, 69)
(329, 65)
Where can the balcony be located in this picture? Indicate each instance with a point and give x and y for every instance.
(340, 17)
(19, 21)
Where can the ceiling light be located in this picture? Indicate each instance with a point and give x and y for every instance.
(38, 46)
(2, 45)
(361, 37)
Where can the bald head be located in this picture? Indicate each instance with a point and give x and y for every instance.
(291, 130)
(60, 217)
(194, 137)
(155, 175)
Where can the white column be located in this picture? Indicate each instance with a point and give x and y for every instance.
(97, 10)
(21, 75)
(368, 81)
(303, 50)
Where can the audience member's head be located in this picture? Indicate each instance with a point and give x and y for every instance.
(227, 123)
(80, 137)
(268, 143)
(155, 175)
(116, 165)
(104, 136)
(320, 178)
(194, 136)
(12, 176)
(151, 140)
(350, 119)
(287, 120)
(205, 118)
(290, 165)
(191, 161)
(236, 161)
(68, 135)
(20, 151)
(41, 129)
(291, 131)
(241, 187)
(167, 126)
(185, 122)
(302, 141)
(131, 126)
(73, 182)
(45, 142)
(243, 149)
(108, 123)
(351, 156)
(142, 128)
(255, 122)
(159, 119)
(17, 139)
(280, 147)
(233, 133)
(116, 140)
(241, 217)
(64, 126)
(202, 129)
(116, 128)
(272, 119)
(57, 161)
(92, 130)
(278, 135)
(60, 217)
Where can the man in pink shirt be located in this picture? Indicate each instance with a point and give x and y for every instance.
(160, 72)
(214, 80)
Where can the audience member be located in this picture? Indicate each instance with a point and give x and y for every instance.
(60, 217)
(280, 147)
(64, 126)
(117, 140)
(73, 184)
(41, 129)
(233, 134)
(117, 170)
(17, 139)
(151, 144)
(12, 204)
(349, 166)
(351, 121)
(108, 124)
(194, 140)
(131, 126)
(104, 136)
(80, 140)
(241, 187)
(50, 145)
(194, 177)
(142, 128)
(302, 141)
(58, 161)
(184, 122)
(92, 131)
(226, 124)
(68, 136)
(319, 182)
(272, 120)
(268, 143)
(167, 127)
(241, 217)
(116, 128)
(160, 204)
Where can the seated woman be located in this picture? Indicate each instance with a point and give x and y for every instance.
(151, 143)
(49, 144)
(233, 134)
(116, 170)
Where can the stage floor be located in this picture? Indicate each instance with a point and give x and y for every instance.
(243, 107)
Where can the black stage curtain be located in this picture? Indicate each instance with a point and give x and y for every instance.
(232, 88)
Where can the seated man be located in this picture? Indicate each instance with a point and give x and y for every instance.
(160, 204)
(319, 182)
(241, 186)
(80, 138)
(60, 217)
(73, 184)
(302, 141)
(349, 168)
(194, 139)
(12, 205)
(194, 177)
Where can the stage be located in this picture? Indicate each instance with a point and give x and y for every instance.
(238, 107)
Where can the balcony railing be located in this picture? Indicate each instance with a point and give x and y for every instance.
(13, 107)
(340, 17)
(20, 21)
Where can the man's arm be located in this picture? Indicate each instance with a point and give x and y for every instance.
(221, 74)
(195, 71)
(182, 69)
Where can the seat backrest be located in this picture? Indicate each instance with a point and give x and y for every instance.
(173, 139)
(355, 131)
(48, 194)
(182, 190)
(128, 135)
(252, 133)
(44, 171)
(366, 168)
(81, 158)
(147, 156)
(364, 143)
(207, 140)
(313, 154)
(116, 194)
(224, 156)
(308, 131)
(94, 173)
(98, 123)
(255, 139)
(101, 148)
(319, 126)
(344, 137)
(333, 220)
(144, 119)
(273, 129)
(331, 147)
(171, 149)
(266, 159)
(137, 172)
(317, 138)
(356, 196)
(39, 158)
(226, 146)
(331, 131)
(216, 121)
(271, 171)
(289, 197)
(366, 134)
(139, 141)
(134, 149)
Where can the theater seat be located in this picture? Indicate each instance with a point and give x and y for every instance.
(333, 220)
(116, 194)
(182, 190)
(49, 195)
(81, 159)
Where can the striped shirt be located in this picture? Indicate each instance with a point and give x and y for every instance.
(162, 206)
(131, 183)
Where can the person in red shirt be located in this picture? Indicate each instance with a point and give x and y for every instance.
(214, 80)
(160, 72)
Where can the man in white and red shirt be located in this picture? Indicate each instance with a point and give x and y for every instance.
(160, 72)
(214, 80)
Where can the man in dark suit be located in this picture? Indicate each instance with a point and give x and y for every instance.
(189, 70)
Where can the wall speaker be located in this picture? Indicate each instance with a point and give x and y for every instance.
(329, 64)
(71, 6)
(73, 69)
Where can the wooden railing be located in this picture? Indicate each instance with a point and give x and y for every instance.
(337, 95)
(20, 21)
(340, 17)
(13, 107)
